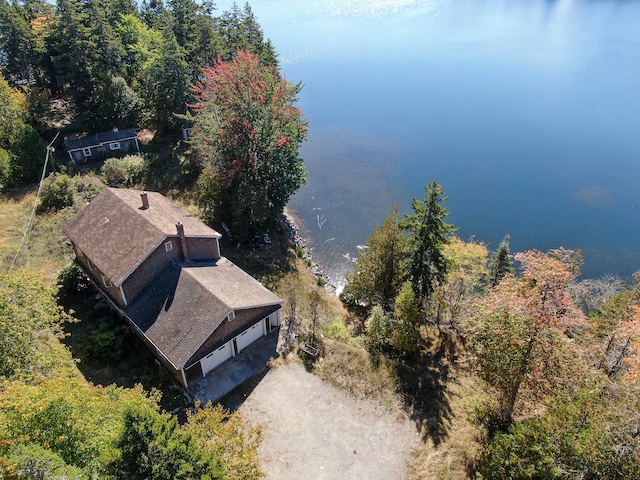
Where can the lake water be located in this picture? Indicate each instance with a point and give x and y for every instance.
(527, 112)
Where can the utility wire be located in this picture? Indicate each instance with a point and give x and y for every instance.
(35, 203)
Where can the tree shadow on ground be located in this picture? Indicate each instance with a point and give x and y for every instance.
(173, 169)
(109, 353)
(422, 385)
(269, 263)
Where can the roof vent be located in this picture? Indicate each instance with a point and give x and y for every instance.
(145, 200)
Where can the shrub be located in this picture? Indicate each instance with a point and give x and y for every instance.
(104, 341)
(5, 166)
(336, 330)
(57, 192)
(30, 460)
(127, 171)
(72, 279)
(89, 186)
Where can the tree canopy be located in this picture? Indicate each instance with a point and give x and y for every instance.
(248, 133)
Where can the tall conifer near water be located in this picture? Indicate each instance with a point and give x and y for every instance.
(428, 234)
(500, 263)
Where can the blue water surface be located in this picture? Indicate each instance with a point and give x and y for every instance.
(527, 112)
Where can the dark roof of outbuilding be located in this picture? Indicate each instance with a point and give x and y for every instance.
(117, 234)
(185, 304)
(99, 138)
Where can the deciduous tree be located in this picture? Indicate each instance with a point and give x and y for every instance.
(518, 330)
(379, 269)
(248, 131)
(28, 314)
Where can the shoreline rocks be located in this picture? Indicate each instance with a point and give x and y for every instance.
(299, 242)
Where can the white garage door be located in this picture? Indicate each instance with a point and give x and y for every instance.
(216, 357)
(250, 335)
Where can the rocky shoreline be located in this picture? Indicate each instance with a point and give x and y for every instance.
(300, 244)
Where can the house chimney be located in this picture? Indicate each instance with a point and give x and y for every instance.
(183, 241)
(145, 200)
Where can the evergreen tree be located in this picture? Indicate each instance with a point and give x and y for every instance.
(428, 234)
(69, 49)
(164, 85)
(19, 54)
(114, 104)
(240, 30)
(500, 263)
(154, 14)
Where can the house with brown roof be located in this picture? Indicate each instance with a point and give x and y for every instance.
(160, 268)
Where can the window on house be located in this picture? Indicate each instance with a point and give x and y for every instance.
(231, 316)
(114, 146)
(86, 152)
(168, 246)
(107, 282)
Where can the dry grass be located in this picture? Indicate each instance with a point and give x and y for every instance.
(352, 369)
(45, 249)
(454, 457)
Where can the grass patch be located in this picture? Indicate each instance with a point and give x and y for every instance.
(46, 248)
(455, 457)
(352, 369)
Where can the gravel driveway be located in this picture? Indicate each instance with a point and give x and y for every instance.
(314, 431)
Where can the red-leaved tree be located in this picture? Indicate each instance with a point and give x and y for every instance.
(248, 132)
(518, 331)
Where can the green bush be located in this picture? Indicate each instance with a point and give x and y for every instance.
(30, 460)
(57, 192)
(127, 171)
(89, 186)
(105, 341)
(336, 330)
(71, 280)
(5, 166)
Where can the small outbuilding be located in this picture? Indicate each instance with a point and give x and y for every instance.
(102, 144)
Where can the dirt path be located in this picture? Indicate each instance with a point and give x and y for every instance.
(314, 431)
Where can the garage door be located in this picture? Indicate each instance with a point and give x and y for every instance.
(216, 357)
(250, 335)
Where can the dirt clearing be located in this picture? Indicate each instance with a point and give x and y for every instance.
(313, 430)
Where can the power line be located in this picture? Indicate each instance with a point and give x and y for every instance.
(35, 203)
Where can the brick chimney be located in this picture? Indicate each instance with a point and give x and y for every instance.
(183, 241)
(145, 200)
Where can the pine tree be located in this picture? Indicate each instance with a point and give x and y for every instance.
(500, 263)
(164, 85)
(428, 234)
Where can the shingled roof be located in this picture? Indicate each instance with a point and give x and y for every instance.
(184, 305)
(99, 139)
(117, 233)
